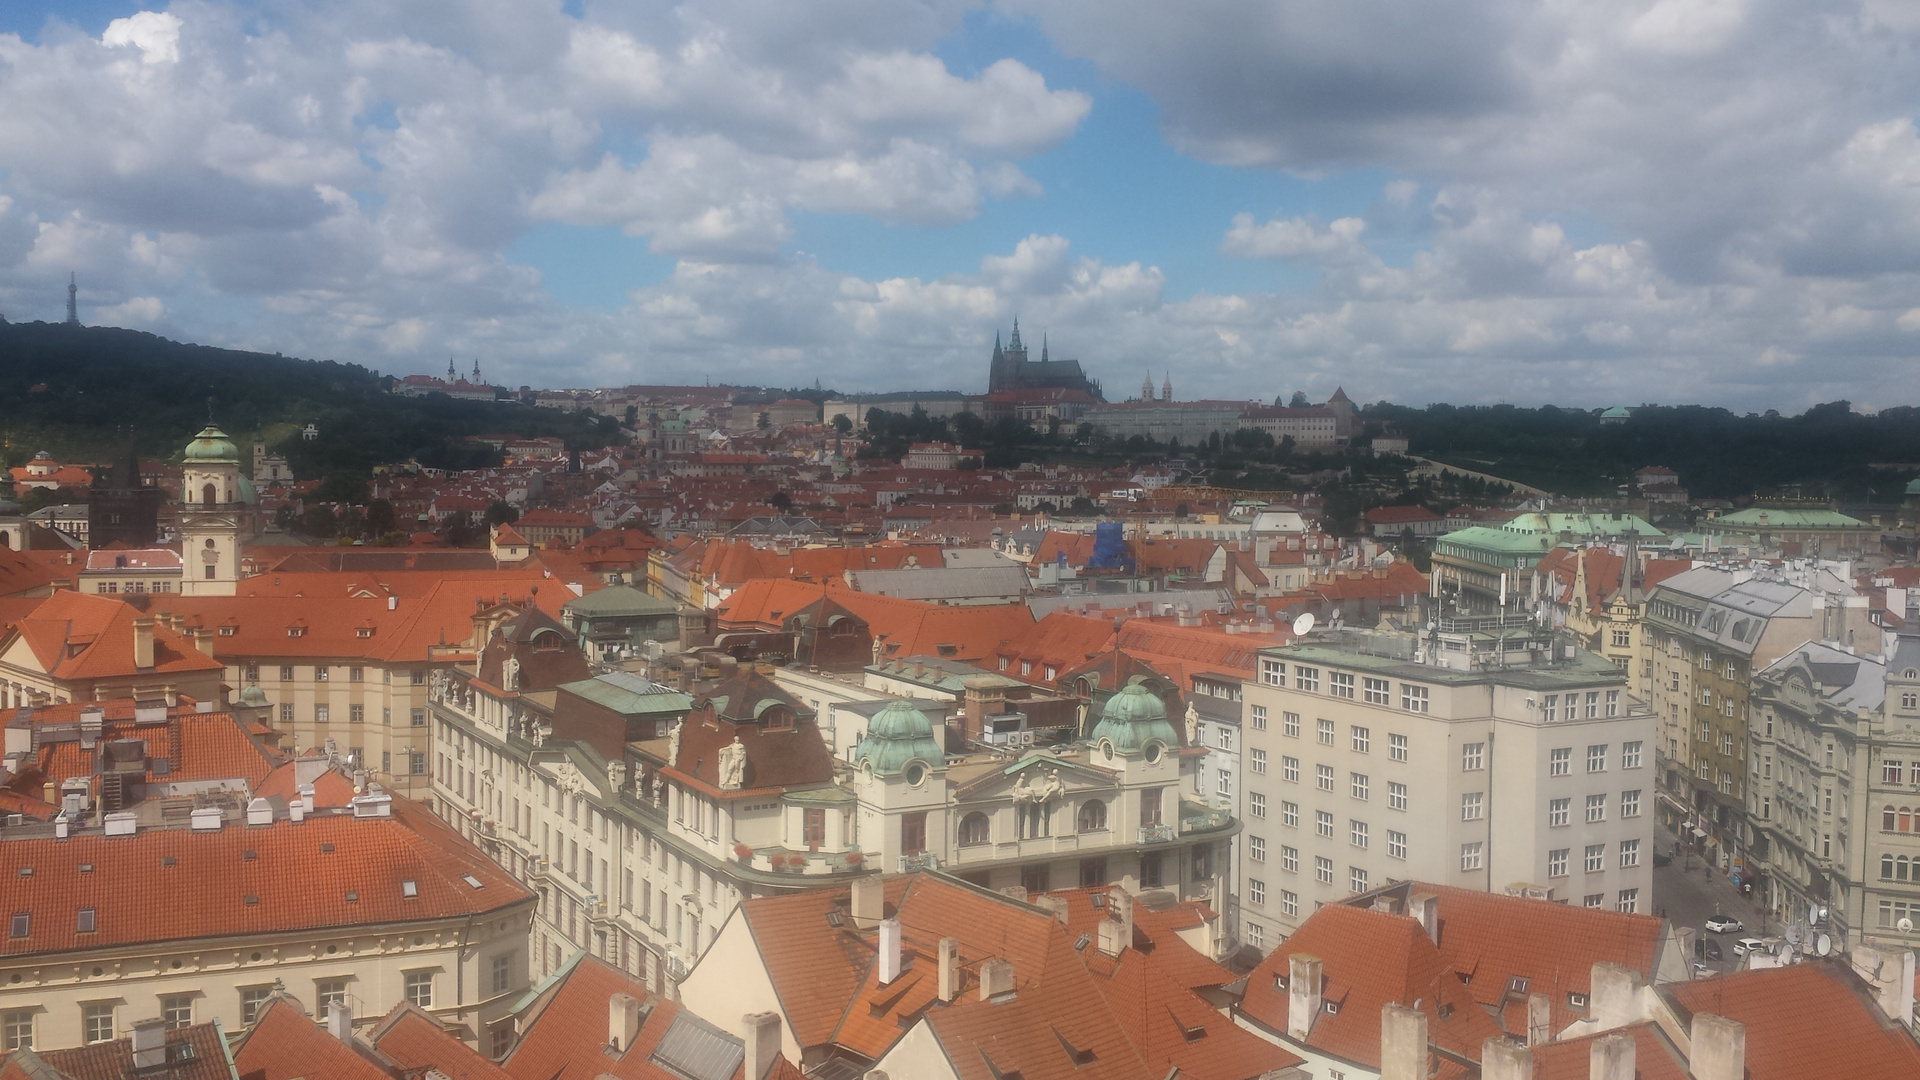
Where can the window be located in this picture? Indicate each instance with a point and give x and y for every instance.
(21, 925)
(1597, 758)
(1359, 785)
(356, 714)
(176, 1010)
(1290, 859)
(1621, 638)
(16, 1029)
(251, 999)
(1560, 761)
(1150, 806)
(1357, 833)
(1257, 848)
(83, 921)
(1630, 803)
(1290, 769)
(1306, 678)
(1629, 901)
(976, 829)
(1396, 796)
(1289, 903)
(1613, 705)
(1596, 858)
(1596, 808)
(1323, 823)
(286, 713)
(1549, 705)
(1396, 844)
(1890, 772)
(1256, 891)
(1473, 756)
(326, 992)
(1471, 805)
(1223, 737)
(913, 827)
(1413, 698)
(1356, 879)
(1470, 856)
(1362, 739)
(1910, 701)
(1256, 804)
(1257, 762)
(1594, 900)
(1323, 777)
(1290, 814)
(503, 973)
(1375, 691)
(1273, 673)
(96, 1021)
(1558, 812)
(320, 714)
(1223, 784)
(320, 673)
(1324, 728)
(1629, 754)
(419, 987)
(1557, 863)
(1258, 714)
(1629, 854)
(1396, 747)
(1290, 724)
(1092, 816)
(1340, 683)
(1323, 870)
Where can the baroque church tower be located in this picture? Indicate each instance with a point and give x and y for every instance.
(215, 501)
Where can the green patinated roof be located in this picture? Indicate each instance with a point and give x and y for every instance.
(896, 736)
(1913, 487)
(212, 446)
(830, 794)
(1132, 718)
(1618, 412)
(628, 695)
(1514, 543)
(616, 601)
(1756, 517)
(1581, 525)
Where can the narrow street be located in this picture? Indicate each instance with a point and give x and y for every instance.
(1686, 895)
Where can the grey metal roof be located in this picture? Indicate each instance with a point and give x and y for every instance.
(618, 600)
(697, 1050)
(1847, 680)
(624, 692)
(960, 583)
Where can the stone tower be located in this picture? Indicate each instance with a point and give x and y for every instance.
(215, 501)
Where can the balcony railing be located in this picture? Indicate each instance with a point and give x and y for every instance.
(1156, 834)
(925, 860)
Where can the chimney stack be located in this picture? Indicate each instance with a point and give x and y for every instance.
(1719, 1048)
(1403, 1043)
(1613, 996)
(143, 643)
(149, 1044)
(1539, 1019)
(996, 980)
(761, 1033)
(623, 1021)
(1890, 972)
(1116, 930)
(340, 1021)
(869, 902)
(1502, 1060)
(1610, 1057)
(1425, 907)
(203, 639)
(1303, 995)
(889, 951)
(949, 969)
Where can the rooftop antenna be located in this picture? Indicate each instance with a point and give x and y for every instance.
(73, 300)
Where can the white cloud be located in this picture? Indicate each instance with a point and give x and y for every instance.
(1292, 238)
(156, 34)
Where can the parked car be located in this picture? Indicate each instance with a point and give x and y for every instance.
(1724, 924)
(1748, 945)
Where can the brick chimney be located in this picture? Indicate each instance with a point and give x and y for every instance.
(1719, 1048)
(1403, 1043)
(761, 1032)
(1303, 994)
(143, 643)
(1610, 1057)
(1502, 1060)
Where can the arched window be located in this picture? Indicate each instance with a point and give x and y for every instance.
(1093, 816)
(1906, 820)
(1886, 819)
(1900, 868)
(1886, 867)
(209, 495)
(975, 829)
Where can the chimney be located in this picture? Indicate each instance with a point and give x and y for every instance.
(307, 768)
(1303, 995)
(92, 720)
(1502, 1060)
(1719, 1048)
(19, 736)
(1116, 930)
(259, 812)
(761, 1032)
(340, 1021)
(1425, 907)
(1890, 972)
(996, 980)
(869, 902)
(1403, 1043)
(1613, 996)
(1539, 1019)
(623, 1021)
(203, 639)
(889, 951)
(949, 969)
(149, 1044)
(393, 603)
(1610, 1057)
(143, 642)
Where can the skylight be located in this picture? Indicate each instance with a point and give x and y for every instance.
(409, 889)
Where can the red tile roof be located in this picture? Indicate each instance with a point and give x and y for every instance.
(294, 881)
(1654, 1057)
(1807, 1019)
(195, 1052)
(285, 1044)
(906, 627)
(416, 1041)
(81, 636)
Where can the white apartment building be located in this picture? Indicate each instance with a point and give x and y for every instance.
(1373, 757)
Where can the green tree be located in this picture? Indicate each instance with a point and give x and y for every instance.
(842, 423)
(381, 518)
(501, 514)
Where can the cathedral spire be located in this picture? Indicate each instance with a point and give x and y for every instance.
(1166, 388)
(1043, 347)
(1013, 343)
(1146, 387)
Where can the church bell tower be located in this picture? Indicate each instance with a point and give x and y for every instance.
(215, 500)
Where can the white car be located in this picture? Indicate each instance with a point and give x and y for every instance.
(1748, 945)
(1724, 924)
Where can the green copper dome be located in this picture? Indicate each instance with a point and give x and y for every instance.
(896, 736)
(1134, 717)
(253, 697)
(212, 446)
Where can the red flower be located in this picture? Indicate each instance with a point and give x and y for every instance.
(854, 858)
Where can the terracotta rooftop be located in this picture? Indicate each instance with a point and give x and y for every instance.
(415, 1041)
(1807, 1019)
(285, 1044)
(195, 1052)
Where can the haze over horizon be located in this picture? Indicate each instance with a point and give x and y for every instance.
(1679, 200)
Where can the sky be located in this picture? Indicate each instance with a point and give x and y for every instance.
(1529, 201)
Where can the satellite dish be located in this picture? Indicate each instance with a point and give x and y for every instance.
(1303, 625)
(1793, 934)
(1822, 945)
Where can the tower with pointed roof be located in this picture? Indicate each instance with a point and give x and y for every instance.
(1146, 387)
(1166, 387)
(1011, 370)
(215, 503)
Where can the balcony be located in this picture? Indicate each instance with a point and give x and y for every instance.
(925, 860)
(1156, 834)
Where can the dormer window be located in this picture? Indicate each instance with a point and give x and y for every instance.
(779, 719)
(296, 631)
(364, 631)
(226, 631)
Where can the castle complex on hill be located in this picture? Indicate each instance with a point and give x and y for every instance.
(1012, 371)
